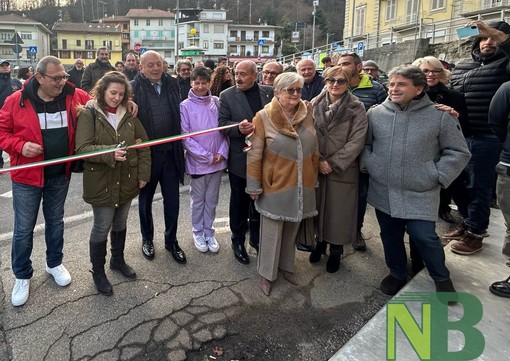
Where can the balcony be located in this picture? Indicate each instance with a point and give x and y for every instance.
(153, 38)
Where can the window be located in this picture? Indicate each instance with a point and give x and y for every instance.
(218, 45)
(487, 4)
(148, 22)
(265, 49)
(205, 28)
(359, 27)
(125, 26)
(265, 34)
(436, 4)
(65, 55)
(411, 10)
(160, 22)
(89, 44)
(6, 36)
(26, 36)
(136, 22)
(78, 54)
(78, 43)
(232, 50)
(218, 28)
(391, 10)
(233, 33)
(90, 55)
(205, 45)
(64, 43)
(108, 44)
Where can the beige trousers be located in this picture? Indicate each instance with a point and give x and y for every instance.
(277, 247)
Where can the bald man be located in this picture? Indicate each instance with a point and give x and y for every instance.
(314, 83)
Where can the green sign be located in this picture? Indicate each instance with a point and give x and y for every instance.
(430, 341)
(190, 52)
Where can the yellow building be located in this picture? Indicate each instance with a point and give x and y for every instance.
(81, 40)
(380, 22)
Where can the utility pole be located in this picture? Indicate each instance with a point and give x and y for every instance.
(250, 12)
(176, 33)
(315, 4)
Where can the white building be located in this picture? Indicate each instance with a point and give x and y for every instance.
(251, 42)
(35, 36)
(154, 29)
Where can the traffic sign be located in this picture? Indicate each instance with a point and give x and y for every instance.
(360, 48)
(143, 50)
(137, 47)
(261, 41)
(16, 39)
(32, 49)
(16, 48)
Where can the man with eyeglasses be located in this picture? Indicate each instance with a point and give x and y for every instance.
(269, 73)
(131, 66)
(183, 78)
(8, 85)
(314, 83)
(370, 93)
(238, 105)
(97, 69)
(76, 73)
(479, 78)
(38, 123)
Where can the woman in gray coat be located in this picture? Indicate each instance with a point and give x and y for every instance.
(341, 125)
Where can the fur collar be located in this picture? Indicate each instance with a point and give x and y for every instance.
(279, 120)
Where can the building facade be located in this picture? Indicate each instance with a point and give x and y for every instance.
(377, 23)
(254, 42)
(122, 23)
(34, 35)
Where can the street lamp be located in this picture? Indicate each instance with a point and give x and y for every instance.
(315, 4)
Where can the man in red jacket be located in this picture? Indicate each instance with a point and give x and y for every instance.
(38, 123)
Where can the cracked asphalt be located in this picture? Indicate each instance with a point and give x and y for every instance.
(180, 312)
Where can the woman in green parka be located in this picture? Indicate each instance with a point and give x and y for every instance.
(111, 181)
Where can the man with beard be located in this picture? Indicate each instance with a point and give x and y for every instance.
(97, 69)
(76, 73)
(131, 66)
(38, 123)
(479, 78)
(238, 105)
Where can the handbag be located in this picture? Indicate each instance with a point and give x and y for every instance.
(305, 239)
(77, 166)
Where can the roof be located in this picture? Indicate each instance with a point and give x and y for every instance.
(256, 26)
(150, 13)
(16, 19)
(115, 19)
(85, 27)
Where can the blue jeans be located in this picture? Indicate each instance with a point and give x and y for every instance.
(26, 200)
(485, 153)
(163, 171)
(423, 234)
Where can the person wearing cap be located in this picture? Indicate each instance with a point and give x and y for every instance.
(76, 73)
(478, 79)
(8, 85)
(326, 62)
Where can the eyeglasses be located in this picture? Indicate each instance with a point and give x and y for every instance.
(291, 91)
(57, 78)
(272, 73)
(339, 81)
(433, 71)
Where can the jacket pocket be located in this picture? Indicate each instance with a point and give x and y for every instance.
(95, 181)
(423, 177)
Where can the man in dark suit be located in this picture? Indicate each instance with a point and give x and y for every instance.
(238, 105)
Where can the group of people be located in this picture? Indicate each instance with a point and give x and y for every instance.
(303, 151)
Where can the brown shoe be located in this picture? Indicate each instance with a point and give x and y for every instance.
(470, 244)
(265, 285)
(290, 277)
(457, 233)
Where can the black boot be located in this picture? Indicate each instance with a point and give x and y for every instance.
(98, 259)
(335, 253)
(118, 242)
(320, 249)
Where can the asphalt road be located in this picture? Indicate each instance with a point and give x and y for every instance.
(175, 312)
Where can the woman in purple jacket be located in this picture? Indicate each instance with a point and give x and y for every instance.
(206, 157)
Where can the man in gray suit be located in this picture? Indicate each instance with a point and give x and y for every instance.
(238, 105)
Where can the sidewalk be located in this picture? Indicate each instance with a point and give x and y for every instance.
(471, 274)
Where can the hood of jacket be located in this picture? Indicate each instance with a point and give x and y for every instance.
(31, 86)
(475, 49)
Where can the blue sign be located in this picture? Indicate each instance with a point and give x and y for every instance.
(142, 50)
(360, 46)
(261, 41)
(32, 49)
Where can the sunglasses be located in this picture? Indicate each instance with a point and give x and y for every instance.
(433, 71)
(339, 81)
(57, 78)
(291, 91)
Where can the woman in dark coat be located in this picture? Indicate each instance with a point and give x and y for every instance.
(221, 79)
(112, 180)
(341, 124)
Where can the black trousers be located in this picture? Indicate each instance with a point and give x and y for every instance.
(243, 215)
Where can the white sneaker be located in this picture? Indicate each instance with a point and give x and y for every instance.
(200, 242)
(20, 292)
(60, 274)
(212, 244)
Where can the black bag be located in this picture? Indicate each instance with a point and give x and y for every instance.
(305, 239)
(77, 165)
